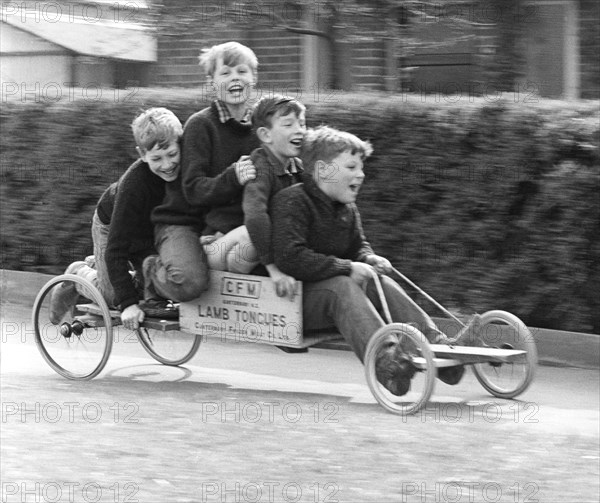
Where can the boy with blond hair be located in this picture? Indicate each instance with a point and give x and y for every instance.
(205, 201)
(122, 232)
(318, 239)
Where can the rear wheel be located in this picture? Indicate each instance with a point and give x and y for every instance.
(75, 345)
(168, 346)
(505, 331)
(417, 351)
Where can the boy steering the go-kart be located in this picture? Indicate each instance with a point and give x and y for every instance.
(318, 239)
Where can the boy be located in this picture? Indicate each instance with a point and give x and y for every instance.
(122, 232)
(214, 168)
(279, 123)
(318, 238)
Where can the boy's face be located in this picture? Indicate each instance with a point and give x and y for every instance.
(285, 136)
(233, 83)
(163, 162)
(342, 177)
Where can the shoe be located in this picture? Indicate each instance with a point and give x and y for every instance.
(160, 308)
(394, 370)
(451, 375)
(436, 336)
(469, 334)
(90, 261)
(64, 296)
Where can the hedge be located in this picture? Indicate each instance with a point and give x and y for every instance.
(485, 203)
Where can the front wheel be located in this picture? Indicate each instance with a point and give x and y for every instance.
(76, 346)
(503, 330)
(417, 351)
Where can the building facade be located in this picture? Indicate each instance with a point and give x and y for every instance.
(543, 47)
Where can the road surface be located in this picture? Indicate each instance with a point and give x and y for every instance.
(249, 423)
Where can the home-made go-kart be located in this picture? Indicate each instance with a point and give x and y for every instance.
(246, 308)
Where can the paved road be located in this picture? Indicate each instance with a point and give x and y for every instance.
(249, 423)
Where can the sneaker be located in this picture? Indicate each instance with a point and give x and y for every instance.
(394, 370)
(469, 334)
(64, 296)
(436, 336)
(160, 308)
(451, 375)
(90, 261)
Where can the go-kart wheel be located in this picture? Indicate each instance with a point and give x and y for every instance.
(418, 354)
(169, 347)
(503, 330)
(77, 347)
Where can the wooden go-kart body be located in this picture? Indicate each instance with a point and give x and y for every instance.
(246, 308)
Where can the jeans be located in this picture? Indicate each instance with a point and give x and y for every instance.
(341, 303)
(180, 272)
(100, 240)
(233, 252)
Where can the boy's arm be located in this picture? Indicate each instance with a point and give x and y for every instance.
(255, 205)
(128, 207)
(365, 253)
(199, 187)
(291, 228)
(360, 243)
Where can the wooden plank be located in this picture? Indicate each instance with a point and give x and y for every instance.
(95, 309)
(94, 318)
(421, 363)
(90, 320)
(315, 339)
(162, 325)
(471, 354)
(337, 342)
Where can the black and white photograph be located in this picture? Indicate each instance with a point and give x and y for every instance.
(300, 251)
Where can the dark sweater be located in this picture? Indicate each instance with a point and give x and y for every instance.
(271, 177)
(209, 150)
(126, 207)
(314, 237)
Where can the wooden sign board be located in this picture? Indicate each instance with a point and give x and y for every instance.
(244, 308)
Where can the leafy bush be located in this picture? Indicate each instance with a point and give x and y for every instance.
(486, 204)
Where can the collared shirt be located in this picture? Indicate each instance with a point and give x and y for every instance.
(225, 115)
(271, 176)
(314, 237)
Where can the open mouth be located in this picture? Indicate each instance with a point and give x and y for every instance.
(236, 90)
(296, 142)
(355, 187)
(171, 171)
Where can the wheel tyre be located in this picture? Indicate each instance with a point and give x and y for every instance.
(145, 336)
(38, 324)
(523, 340)
(379, 339)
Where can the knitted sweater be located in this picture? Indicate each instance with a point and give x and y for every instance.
(126, 207)
(314, 237)
(271, 177)
(209, 150)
